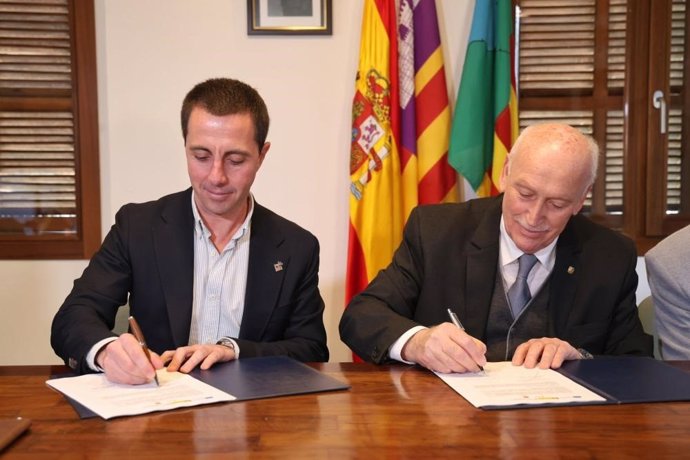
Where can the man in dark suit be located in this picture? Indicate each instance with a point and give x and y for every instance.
(574, 298)
(210, 275)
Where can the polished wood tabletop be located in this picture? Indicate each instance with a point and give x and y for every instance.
(389, 412)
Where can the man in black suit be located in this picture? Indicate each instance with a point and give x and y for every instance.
(579, 288)
(210, 275)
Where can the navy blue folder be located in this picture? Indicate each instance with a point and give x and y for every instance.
(620, 380)
(267, 377)
(630, 379)
(254, 378)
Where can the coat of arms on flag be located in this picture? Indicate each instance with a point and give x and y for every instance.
(370, 144)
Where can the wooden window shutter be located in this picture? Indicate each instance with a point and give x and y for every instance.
(676, 71)
(49, 179)
(572, 65)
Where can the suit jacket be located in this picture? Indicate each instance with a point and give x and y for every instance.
(449, 259)
(148, 256)
(669, 280)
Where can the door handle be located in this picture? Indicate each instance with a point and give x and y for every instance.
(660, 103)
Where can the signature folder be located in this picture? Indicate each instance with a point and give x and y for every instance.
(599, 381)
(629, 379)
(256, 378)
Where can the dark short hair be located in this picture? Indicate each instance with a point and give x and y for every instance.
(225, 96)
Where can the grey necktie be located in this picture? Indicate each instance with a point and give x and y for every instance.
(518, 294)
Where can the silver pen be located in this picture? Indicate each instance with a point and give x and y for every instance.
(456, 321)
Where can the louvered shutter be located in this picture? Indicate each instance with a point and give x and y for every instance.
(37, 163)
(572, 70)
(674, 166)
(48, 142)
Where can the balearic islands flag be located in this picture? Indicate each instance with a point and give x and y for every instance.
(485, 125)
(425, 120)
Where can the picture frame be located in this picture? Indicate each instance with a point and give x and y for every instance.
(289, 17)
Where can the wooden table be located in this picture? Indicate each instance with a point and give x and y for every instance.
(390, 412)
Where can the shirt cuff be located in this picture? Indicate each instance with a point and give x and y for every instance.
(91, 355)
(395, 351)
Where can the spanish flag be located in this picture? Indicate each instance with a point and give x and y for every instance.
(377, 213)
(398, 98)
(485, 125)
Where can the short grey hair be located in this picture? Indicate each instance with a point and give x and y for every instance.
(564, 131)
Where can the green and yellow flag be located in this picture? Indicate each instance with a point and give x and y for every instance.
(485, 123)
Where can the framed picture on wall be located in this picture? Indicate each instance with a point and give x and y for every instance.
(289, 17)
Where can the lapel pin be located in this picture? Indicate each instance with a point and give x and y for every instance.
(278, 266)
(571, 270)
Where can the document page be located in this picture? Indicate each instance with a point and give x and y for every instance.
(110, 400)
(502, 384)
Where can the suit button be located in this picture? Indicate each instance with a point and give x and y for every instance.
(72, 363)
(375, 354)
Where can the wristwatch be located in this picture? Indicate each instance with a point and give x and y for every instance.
(584, 354)
(226, 342)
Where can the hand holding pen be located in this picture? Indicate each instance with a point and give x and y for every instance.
(456, 321)
(124, 360)
(444, 348)
(136, 330)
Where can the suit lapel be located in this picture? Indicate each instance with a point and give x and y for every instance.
(269, 260)
(480, 271)
(564, 279)
(173, 242)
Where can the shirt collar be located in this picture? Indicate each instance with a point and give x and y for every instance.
(202, 231)
(509, 252)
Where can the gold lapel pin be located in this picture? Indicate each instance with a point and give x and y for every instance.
(571, 270)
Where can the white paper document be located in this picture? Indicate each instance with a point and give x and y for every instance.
(110, 400)
(502, 384)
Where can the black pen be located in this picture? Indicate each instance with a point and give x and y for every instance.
(136, 330)
(455, 320)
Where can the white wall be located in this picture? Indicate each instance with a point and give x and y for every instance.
(150, 53)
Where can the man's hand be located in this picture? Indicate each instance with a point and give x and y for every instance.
(185, 359)
(124, 361)
(546, 352)
(445, 348)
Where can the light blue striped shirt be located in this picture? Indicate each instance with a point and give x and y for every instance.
(220, 281)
